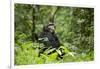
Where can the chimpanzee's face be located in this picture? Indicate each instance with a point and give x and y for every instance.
(51, 28)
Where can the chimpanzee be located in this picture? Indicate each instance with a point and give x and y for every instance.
(49, 38)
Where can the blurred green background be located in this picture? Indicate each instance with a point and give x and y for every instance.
(74, 28)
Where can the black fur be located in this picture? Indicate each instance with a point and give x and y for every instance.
(49, 38)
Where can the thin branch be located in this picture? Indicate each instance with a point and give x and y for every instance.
(53, 15)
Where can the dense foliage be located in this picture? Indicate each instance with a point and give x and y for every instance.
(74, 28)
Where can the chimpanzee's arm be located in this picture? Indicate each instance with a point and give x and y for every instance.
(56, 38)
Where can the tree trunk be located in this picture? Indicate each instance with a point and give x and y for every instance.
(35, 16)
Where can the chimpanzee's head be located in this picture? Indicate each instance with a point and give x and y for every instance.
(49, 28)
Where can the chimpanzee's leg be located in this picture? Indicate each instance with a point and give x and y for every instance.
(42, 51)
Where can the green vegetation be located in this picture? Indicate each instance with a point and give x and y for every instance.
(74, 28)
